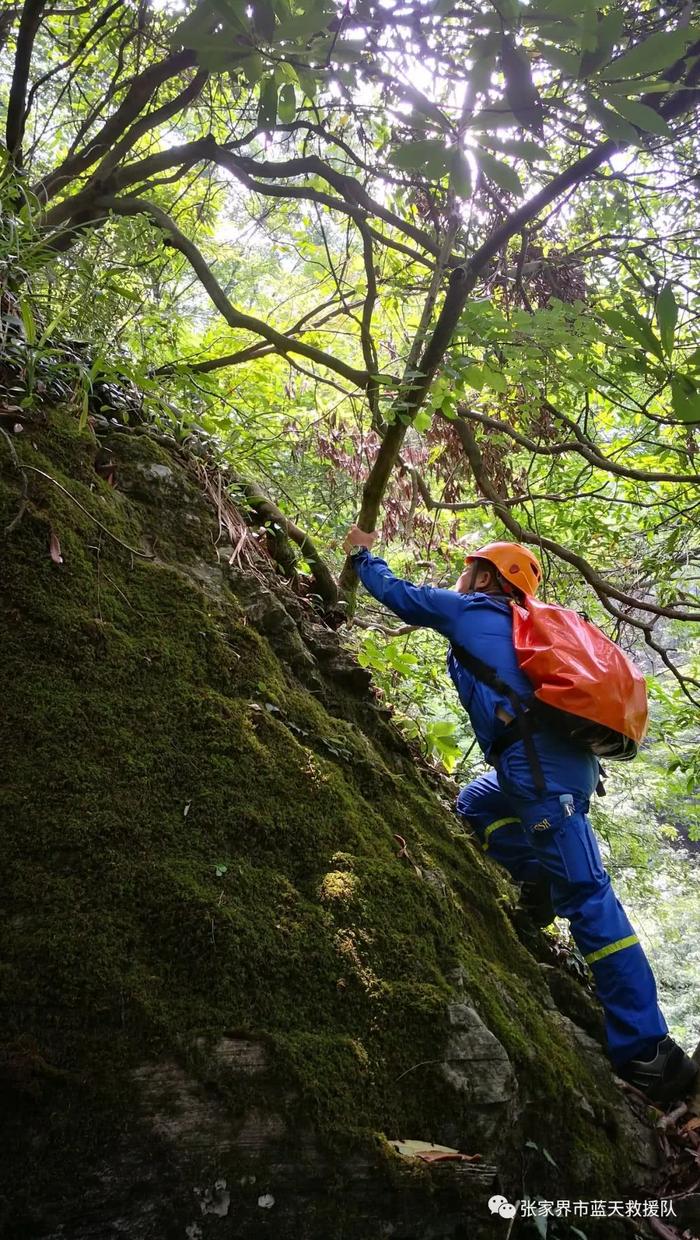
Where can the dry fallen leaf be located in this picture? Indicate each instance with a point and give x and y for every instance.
(55, 549)
(429, 1152)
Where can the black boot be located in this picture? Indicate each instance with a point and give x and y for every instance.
(665, 1078)
(536, 902)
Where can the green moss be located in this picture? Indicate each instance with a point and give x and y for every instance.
(180, 861)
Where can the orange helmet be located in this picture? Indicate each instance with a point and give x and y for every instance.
(515, 563)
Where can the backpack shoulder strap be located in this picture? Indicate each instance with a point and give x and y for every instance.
(523, 719)
(483, 671)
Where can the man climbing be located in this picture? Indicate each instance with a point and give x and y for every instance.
(530, 813)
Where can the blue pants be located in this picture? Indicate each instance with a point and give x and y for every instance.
(530, 834)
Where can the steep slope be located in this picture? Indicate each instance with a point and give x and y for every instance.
(223, 987)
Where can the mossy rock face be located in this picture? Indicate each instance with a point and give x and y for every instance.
(223, 988)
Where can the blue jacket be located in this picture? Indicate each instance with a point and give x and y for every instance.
(480, 623)
(483, 625)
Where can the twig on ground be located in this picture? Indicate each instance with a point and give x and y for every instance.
(24, 498)
(144, 555)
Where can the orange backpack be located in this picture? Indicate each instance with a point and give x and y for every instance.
(577, 670)
(584, 687)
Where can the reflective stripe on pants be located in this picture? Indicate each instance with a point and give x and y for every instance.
(529, 837)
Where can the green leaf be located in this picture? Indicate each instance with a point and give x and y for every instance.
(307, 80)
(655, 53)
(264, 20)
(493, 118)
(495, 379)
(232, 14)
(441, 736)
(508, 10)
(587, 37)
(644, 328)
(253, 68)
(521, 92)
(347, 52)
(121, 291)
(313, 21)
(614, 125)
(217, 59)
(541, 1222)
(634, 329)
(560, 8)
(460, 174)
(611, 26)
(194, 26)
(422, 420)
(50, 329)
(287, 106)
(483, 67)
(607, 34)
(667, 317)
(441, 8)
(522, 148)
(426, 155)
(565, 62)
(641, 115)
(442, 727)
(693, 361)
(420, 103)
(640, 86)
(267, 109)
(84, 410)
(28, 321)
(502, 174)
(685, 399)
(284, 72)
(473, 376)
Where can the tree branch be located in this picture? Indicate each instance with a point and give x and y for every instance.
(16, 110)
(164, 113)
(462, 282)
(268, 511)
(185, 156)
(603, 588)
(581, 446)
(98, 25)
(515, 501)
(142, 88)
(348, 187)
(235, 318)
(258, 350)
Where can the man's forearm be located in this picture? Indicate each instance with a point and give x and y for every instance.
(421, 605)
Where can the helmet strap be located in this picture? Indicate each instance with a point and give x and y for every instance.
(473, 568)
(477, 567)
